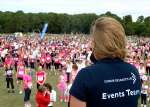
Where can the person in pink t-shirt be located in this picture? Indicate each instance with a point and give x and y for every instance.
(48, 61)
(19, 75)
(27, 85)
(142, 69)
(42, 60)
(9, 60)
(62, 85)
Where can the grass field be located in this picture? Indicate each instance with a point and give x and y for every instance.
(16, 100)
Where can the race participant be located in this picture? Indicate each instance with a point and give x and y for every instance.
(9, 78)
(19, 75)
(27, 85)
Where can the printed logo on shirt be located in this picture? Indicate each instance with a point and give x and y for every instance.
(21, 72)
(43, 60)
(148, 64)
(29, 84)
(40, 78)
(127, 92)
(48, 58)
(132, 78)
(9, 72)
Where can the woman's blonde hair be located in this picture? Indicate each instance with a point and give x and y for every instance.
(109, 39)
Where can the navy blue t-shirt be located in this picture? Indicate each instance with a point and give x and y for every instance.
(108, 83)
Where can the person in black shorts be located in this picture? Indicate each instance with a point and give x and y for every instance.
(9, 79)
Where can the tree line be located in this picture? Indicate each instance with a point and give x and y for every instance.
(19, 21)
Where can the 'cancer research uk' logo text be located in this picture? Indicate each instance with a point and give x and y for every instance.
(131, 78)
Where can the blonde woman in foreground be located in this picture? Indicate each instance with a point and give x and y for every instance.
(110, 81)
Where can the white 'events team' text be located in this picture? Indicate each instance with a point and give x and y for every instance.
(125, 93)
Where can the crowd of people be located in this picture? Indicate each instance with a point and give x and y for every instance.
(27, 56)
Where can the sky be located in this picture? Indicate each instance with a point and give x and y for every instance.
(120, 7)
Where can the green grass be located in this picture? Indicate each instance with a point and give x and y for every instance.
(16, 100)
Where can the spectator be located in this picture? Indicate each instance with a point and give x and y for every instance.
(42, 97)
(52, 95)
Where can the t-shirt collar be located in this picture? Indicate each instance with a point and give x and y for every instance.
(109, 60)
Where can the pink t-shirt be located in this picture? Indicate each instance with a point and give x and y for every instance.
(9, 61)
(16, 59)
(62, 83)
(48, 58)
(21, 72)
(43, 59)
(27, 80)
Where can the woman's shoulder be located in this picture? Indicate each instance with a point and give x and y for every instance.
(104, 67)
(130, 66)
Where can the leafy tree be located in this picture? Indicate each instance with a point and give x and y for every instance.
(19, 21)
(128, 25)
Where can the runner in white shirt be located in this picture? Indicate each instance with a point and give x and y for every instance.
(52, 98)
(142, 69)
(52, 94)
(68, 71)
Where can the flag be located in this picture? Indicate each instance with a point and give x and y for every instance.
(44, 30)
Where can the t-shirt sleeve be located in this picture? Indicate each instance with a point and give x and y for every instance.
(79, 88)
